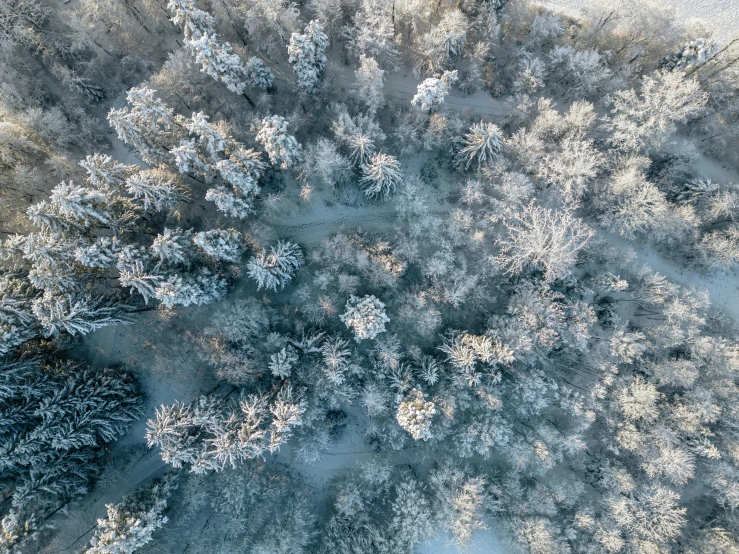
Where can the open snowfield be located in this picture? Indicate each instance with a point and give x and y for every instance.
(720, 16)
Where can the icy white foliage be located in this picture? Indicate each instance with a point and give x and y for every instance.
(373, 33)
(215, 56)
(194, 22)
(370, 81)
(432, 92)
(693, 53)
(242, 170)
(229, 203)
(324, 163)
(482, 145)
(307, 54)
(131, 523)
(642, 121)
(222, 244)
(415, 414)
(104, 172)
(543, 239)
(365, 316)
(282, 148)
(146, 124)
(202, 287)
(187, 158)
(381, 175)
(156, 190)
(276, 267)
(282, 363)
(210, 137)
(74, 314)
(101, 253)
(218, 60)
(258, 74)
(530, 77)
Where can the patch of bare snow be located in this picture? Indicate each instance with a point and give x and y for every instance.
(484, 542)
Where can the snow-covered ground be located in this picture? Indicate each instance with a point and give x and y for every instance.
(719, 16)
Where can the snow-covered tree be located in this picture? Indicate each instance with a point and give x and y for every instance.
(415, 414)
(643, 120)
(432, 92)
(103, 172)
(543, 239)
(365, 316)
(282, 148)
(54, 418)
(381, 175)
(221, 244)
(147, 124)
(481, 145)
(229, 203)
(194, 22)
(307, 54)
(444, 43)
(75, 314)
(156, 189)
(131, 523)
(276, 267)
(258, 74)
(373, 33)
(370, 82)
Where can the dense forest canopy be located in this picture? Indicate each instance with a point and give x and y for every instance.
(361, 276)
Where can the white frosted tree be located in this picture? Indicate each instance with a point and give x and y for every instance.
(543, 239)
(229, 203)
(481, 145)
(369, 78)
(432, 92)
(258, 74)
(415, 414)
(155, 189)
(307, 54)
(212, 139)
(105, 173)
(365, 316)
(222, 244)
(131, 523)
(381, 175)
(75, 314)
(282, 148)
(146, 124)
(276, 267)
(373, 33)
(643, 120)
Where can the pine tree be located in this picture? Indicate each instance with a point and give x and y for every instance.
(381, 175)
(54, 419)
(276, 268)
(307, 54)
(365, 316)
(221, 244)
(282, 148)
(147, 124)
(481, 145)
(75, 314)
(131, 523)
(103, 172)
(370, 81)
(258, 74)
(432, 92)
